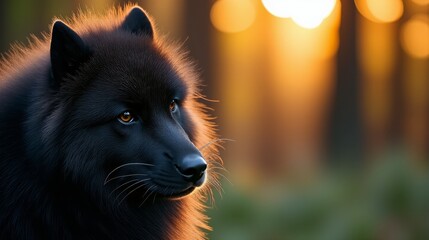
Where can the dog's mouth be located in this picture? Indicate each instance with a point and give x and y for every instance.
(177, 194)
(150, 187)
(140, 195)
(178, 187)
(172, 192)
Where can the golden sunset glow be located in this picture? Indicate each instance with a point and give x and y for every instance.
(229, 119)
(421, 2)
(307, 14)
(232, 15)
(382, 11)
(415, 36)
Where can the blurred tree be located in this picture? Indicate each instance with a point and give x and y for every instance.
(198, 27)
(346, 130)
(397, 118)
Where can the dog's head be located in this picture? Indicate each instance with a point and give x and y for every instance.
(131, 122)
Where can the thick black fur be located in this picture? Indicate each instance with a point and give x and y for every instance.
(61, 135)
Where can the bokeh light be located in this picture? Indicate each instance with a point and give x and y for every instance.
(279, 8)
(386, 10)
(232, 15)
(310, 14)
(381, 11)
(307, 14)
(415, 36)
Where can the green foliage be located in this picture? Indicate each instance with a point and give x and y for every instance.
(388, 201)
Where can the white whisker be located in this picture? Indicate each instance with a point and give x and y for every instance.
(128, 175)
(211, 198)
(220, 168)
(220, 174)
(124, 165)
(154, 196)
(216, 184)
(214, 141)
(147, 191)
(133, 190)
(123, 184)
(216, 159)
(139, 181)
(219, 190)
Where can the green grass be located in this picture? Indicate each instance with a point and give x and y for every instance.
(388, 201)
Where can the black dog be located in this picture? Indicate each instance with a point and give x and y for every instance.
(101, 134)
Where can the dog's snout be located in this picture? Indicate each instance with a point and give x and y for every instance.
(192, 168)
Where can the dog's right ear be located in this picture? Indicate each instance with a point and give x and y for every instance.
(137, 22)
(67, 52)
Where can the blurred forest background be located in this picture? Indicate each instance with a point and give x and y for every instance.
(327, 101)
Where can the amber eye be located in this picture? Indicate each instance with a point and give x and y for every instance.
(173, 106)
(126, 117)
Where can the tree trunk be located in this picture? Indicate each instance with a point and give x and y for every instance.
(346, 130)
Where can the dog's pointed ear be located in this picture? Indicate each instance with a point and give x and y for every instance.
(67, 52)
(138, 23)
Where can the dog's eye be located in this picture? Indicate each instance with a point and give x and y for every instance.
(173, 106)
(126, 117)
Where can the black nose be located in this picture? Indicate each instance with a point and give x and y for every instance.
(192, 168)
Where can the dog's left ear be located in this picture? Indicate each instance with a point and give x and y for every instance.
(68, 52)
(138, 23)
